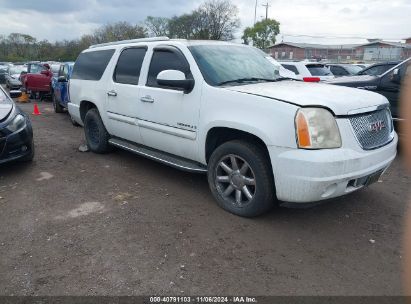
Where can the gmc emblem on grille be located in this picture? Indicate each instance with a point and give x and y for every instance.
(376, 126)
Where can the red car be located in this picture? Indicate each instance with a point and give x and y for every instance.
(37, 80)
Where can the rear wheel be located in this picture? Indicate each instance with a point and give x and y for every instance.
(56, 105)
(96, 134)
(240, 178)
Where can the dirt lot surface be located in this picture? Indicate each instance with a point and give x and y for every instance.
(76, 223)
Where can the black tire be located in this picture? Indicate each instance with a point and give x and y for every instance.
(96, 134)
(56, 105)
(259, 167)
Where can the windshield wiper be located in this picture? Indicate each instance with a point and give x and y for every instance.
(243, 80)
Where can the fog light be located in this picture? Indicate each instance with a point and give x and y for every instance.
(330, 190)
(24, 148)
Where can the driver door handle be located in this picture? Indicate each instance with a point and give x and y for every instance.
(147, 98)
(112, 93)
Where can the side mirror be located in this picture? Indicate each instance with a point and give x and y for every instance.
(15, 94)
(396, 77)
(62, 79)
(175, 79)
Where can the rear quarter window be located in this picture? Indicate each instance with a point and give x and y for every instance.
(91, 65)
(319, 70)
(291, 68)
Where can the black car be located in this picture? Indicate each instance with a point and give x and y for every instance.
(16, 133)
(3, 72)
(387, 84)
(340, 69)
(379, 68)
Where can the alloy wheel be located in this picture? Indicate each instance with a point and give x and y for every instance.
(235, 180)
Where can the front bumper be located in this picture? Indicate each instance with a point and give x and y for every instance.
(16, 145)
(14, 84)
(303, 176)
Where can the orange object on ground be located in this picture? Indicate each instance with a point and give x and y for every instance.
(36, 110)
(23, 98)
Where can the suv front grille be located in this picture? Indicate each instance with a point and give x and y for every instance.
(373, 129)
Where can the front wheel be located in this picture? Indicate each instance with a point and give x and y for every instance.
(96, 134)
(241, 179)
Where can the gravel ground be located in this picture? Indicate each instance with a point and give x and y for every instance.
(76, 223)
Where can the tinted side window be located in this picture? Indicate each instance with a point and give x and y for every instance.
(129, 66)
(61, 71)
(319, 70)
(91, 65)
(292, 68)
(338, 71)
(165, 60)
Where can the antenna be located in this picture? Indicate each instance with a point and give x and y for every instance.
(255, 11)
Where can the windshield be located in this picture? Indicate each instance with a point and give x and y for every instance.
(55, 69)
(227, 63)
(3, 96)
(352, 69)
(319, 70)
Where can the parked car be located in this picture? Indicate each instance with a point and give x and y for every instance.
(388, 84)
(222, 109)
(37, 80)
(16, 134)
(378, 68)
(340, 69)
(60, 94)
(309, 71)
(362, 65)
(13, 76)
(3, 72)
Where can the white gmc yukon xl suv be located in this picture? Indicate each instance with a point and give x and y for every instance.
(224, 109)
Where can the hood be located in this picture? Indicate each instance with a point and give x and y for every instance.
(15, 76)
(353, 79)
(340, 100)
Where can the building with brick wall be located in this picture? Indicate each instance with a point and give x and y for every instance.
(374, 51)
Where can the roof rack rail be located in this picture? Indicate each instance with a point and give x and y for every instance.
(130, 41)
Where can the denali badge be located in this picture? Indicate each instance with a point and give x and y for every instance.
(376, 126)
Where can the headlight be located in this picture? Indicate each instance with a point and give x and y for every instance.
(316, 128)
(17, 123)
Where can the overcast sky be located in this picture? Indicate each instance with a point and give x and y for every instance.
(67, 19)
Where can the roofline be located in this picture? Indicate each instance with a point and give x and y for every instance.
(129, 41)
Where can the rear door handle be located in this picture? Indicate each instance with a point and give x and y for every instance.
(147, 99)
(112, 93)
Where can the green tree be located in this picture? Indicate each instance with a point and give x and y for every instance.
(262, 34)
(213, 20)
(119, 31)
(157, 26)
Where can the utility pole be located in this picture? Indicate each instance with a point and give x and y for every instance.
(255, 12)
(266, 10)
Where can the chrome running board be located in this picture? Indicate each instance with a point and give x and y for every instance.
(162, 157)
